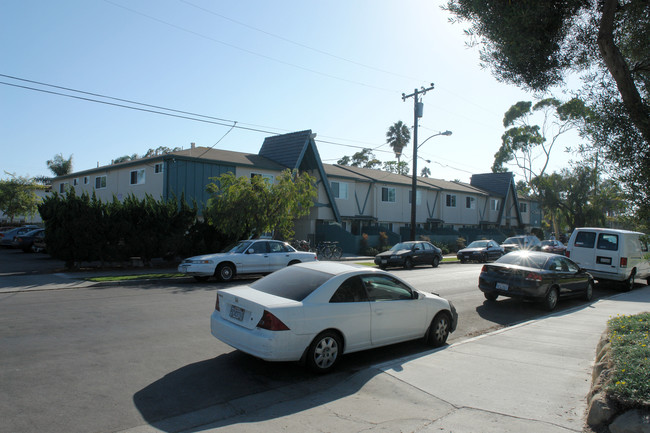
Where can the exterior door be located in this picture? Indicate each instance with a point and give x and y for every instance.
(256, 259)
(395, 315)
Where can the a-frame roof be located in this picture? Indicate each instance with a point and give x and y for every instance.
(297, 150)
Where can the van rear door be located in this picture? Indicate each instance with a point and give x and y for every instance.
(608, 247)
(583, 248)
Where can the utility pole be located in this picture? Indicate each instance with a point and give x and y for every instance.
(418, 107)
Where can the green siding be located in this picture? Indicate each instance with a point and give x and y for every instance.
(191, 178)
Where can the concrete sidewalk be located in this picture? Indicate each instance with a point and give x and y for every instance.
(533, 377)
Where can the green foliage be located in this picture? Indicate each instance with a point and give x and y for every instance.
(401, 167)
(59, 165)
(536, 44)
(83, 228)
(398, 137)
(579, 197)
(241, 208)
(17, 197)
(364, 159)
(630, 340)
(525, 143)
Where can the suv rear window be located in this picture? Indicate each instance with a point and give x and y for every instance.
(291, 282)
(585, 239)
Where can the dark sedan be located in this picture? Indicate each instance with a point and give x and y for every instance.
(538, 276)
(26, 240)
(409, 254)
(553, 246)
(480, 251)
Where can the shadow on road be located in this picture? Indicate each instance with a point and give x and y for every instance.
(227, 389)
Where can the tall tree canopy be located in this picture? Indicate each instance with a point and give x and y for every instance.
(18, 197)
(535, 44)
(243, 208)
(398, 137)
(529, 146)
(364, 159)
(59, 165)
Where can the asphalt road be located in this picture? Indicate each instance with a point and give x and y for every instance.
(105, 359)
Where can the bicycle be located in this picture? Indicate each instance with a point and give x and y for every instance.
(327, 250)
(301, 245)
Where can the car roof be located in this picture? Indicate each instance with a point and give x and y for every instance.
(602, 229)
(336, 268)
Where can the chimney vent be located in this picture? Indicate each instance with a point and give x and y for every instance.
(192, 145)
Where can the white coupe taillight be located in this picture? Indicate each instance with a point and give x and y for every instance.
(271, 323)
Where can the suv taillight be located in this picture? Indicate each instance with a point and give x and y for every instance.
(272, 323)
(623, 262)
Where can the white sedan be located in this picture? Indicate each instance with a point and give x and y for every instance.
(257, 256)
(315, 312)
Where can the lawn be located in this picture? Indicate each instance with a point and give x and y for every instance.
(630, 381)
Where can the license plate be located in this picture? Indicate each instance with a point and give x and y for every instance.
(502, 286)
(236, 313)
(384, 261)
(183, 269)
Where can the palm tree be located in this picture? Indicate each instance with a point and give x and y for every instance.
(398, 137)
(59, 165)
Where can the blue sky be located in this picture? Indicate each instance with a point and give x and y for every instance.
(337, 67)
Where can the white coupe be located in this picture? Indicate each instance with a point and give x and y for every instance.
(258, 256)
(315, 312)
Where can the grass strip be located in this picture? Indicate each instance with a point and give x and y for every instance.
(630, 381)
(134, 277)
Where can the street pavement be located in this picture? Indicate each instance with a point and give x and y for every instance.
(532, 377)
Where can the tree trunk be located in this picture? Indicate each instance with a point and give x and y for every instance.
(620, 71)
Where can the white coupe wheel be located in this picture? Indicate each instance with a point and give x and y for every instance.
(324, 352)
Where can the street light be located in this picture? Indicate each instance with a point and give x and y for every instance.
(414, 179)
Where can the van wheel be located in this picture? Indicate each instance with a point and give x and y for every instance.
(629, 283)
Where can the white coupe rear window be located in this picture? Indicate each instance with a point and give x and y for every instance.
(292, 282)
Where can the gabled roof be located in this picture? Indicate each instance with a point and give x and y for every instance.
(227, 156)
(496, 183)
(374, 175)
(287, 149)
(297, 150)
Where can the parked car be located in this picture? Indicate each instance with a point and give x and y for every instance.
(258, 256)
(539, 276)
(7, 238)
(480, 251)
(318, 311)
(611, 255)
(524, 242)
(26, 240)
(553, 246)
(39, 245)
(409, 254)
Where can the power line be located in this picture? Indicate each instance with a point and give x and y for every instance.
(264, 56)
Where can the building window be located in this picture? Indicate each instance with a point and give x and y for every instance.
(523, 207)
(158, 168)
(100, 182)
(340, 190)
(418, 197)
(451, 200)
(470, 202)
(494, 204)
(75, 181)
(137, 177)
(268, 177)
(62, 187)
(387, 194)
(86, 180)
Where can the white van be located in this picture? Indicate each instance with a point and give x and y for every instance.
(610, 254)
